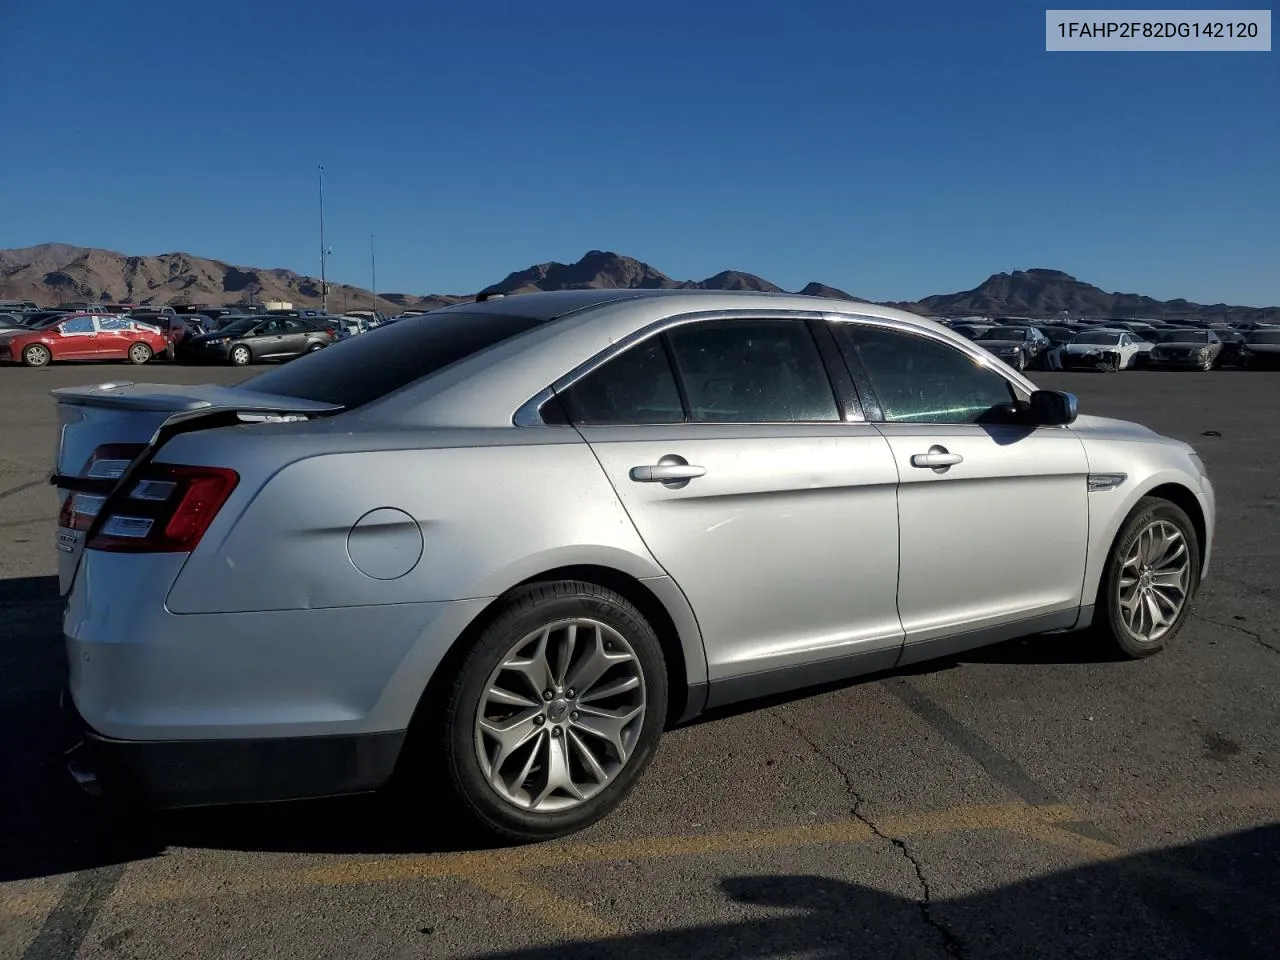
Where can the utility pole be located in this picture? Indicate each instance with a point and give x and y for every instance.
(373, 269)
(324, 285)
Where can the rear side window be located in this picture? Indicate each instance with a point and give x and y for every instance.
(730, 371)
(362, 369)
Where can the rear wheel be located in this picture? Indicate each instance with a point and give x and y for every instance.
(1150, 579)
(240, 355)
(36, 355)
(314, 347)
(555, 710)
(139, 353)
(1207, 363)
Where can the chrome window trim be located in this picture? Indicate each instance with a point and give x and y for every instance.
(528, 415)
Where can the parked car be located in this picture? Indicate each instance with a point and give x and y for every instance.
(10, 321)
(85, 336)
(555, 523)
(1019, 346)
(1261, 349)
(1193, 349)
(1101, 349)
(252, 339)
(1232, 341)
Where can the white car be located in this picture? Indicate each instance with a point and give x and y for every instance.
(1119, 348)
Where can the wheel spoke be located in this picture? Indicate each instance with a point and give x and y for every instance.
(509, 698)
(611, 689)
(584, 754)
(534, 668)
(608, 725)
(511, 735)
(558, 777)
(564, 654)
(596, 664)
(535, 752)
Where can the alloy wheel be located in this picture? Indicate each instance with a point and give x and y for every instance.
(1155, 580)
(560, 715)
(36, 355)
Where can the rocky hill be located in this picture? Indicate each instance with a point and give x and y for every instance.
(54, 273)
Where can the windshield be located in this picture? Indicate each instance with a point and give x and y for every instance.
(1183, 336)
(362, 369)
(1005, 333)
(1098, 337)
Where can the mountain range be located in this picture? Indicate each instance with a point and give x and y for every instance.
(54, 273)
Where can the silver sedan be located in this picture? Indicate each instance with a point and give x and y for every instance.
(496, 549)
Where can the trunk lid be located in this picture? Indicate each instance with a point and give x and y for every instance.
(132, 422)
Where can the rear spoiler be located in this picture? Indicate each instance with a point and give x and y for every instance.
(178, 398)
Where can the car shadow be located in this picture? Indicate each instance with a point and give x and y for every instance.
(1211, 899)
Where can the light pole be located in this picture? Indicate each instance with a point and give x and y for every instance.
(324, 286)
(373, 270)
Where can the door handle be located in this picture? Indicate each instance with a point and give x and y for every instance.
(666, 472)
(939, 459)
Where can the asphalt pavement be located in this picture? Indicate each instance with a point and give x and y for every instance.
(1033, 799)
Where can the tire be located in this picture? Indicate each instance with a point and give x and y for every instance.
(315, 347)
(139, 353)
(36, 355)
(1207, 364)
(1020, 363)
(1112, 625)
(240, 356)
(467, 753)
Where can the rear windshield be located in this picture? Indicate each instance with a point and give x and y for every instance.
(1184, 336)
(1099, 337)
(362, 369)
(1263, 336)
(1006, 333)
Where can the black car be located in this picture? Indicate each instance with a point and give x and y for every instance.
(1018, 346)
(251, 339)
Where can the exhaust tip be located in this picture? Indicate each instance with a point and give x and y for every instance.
(85, 777)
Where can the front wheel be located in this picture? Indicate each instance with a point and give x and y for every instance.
(554, 712)
(1150, 579)
(36, 355)
(139, 353)
(240, 355)
(1206, 364)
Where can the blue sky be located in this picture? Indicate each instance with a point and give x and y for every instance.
(893, 151)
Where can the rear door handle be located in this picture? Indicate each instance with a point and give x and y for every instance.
(666, 472)
(938, 458)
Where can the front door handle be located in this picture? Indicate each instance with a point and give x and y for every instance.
(666, 472)
(939, 459)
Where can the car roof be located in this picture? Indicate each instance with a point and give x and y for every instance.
(550, 304)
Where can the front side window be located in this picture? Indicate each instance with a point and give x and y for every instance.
(921, 380)
(78, 325)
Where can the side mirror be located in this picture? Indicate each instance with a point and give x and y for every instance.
(1052, 408)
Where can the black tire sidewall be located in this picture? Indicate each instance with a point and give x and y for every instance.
(1147, 509)
(523, 614)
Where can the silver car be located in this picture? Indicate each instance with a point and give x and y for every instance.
(498, 548)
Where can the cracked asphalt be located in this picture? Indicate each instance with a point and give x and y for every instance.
(1028, 800)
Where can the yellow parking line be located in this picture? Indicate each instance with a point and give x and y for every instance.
(563, 914)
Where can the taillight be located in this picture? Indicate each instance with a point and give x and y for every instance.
(168, 508)
(105, 465)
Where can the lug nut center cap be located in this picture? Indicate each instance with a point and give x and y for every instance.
(557, 709)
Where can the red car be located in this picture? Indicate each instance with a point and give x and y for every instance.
(83, 336)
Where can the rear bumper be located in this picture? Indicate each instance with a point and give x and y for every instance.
(194, 773)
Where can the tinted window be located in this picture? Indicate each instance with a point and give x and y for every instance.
(362, 369)
(752, 371)
(1264, 336)
(1100, 337)
(78, 325)
(1185, 336)
(1006, 333)
(920, 380)
(300, 326)
(637, 386)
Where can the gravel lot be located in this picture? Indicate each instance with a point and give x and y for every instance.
(1027, 800)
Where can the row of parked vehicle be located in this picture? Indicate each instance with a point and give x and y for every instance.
(1124, 344)
(36, 338)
